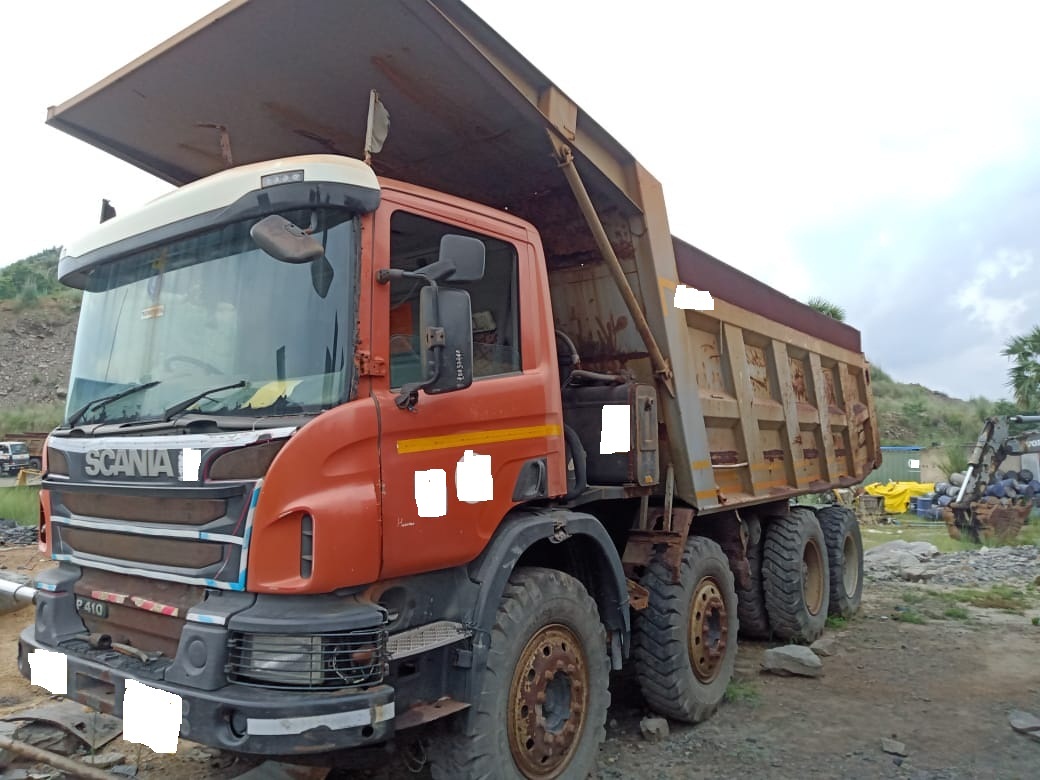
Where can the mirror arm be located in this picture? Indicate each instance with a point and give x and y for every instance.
(409, 395)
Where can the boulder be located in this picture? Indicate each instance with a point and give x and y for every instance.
(653, 729)
(792, 660)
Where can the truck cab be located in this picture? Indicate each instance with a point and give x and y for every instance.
(237, 489)
(14, 456)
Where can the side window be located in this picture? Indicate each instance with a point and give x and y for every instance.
(415, 242)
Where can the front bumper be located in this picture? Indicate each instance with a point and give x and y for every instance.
(241, 718)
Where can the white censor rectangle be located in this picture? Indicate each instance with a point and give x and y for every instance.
(151, 717)
(692, 298)
(473, 480)
(431, 493)
(50, 671)
(615, 434)
(191, 461)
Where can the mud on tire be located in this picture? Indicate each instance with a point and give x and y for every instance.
(547, 626)
(845, 556)
(795, 576)
(751, 601)
(685, 641)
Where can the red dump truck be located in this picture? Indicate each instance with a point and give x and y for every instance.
(359, 451)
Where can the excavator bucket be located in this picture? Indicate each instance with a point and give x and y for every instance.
(986, 521)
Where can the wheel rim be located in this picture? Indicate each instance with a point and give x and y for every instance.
(708, 630)
(812, 577)
(548, 700)
(850, 573)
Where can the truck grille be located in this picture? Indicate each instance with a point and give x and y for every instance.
(196, 535)
(313, 662)
(133, 504)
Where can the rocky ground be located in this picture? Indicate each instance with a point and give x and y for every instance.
(36, 351)
(919, 685)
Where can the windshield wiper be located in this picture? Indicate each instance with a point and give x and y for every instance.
(180, 406)
(76, 415)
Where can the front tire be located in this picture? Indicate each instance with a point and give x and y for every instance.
(845, 555)
(543, 704)
(796, 577)
(685, 641)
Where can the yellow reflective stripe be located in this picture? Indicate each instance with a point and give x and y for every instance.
(476, 437)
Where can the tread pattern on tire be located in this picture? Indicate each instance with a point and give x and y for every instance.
(782, 576)
(461, 753)
(751, 601)
(835, 522)
(659, 644)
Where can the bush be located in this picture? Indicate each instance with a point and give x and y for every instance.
(954, 459)
(29, 294)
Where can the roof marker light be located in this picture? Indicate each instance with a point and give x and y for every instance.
(283, 177)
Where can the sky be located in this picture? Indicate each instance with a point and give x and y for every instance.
(883, 156)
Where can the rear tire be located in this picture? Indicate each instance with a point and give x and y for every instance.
(751, 601)
(542, 709)
(845, 555)
(796, 577)
(685, 641)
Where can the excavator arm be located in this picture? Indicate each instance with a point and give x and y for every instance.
(975, 514)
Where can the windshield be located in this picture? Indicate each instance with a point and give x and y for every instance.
(200, 313)
(19, 449)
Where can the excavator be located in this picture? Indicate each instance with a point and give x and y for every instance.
(976, 513)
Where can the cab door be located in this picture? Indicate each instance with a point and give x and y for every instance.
(451, 466)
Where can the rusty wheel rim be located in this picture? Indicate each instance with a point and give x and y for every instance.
(812, 577)
(708, 630)
(548, 699)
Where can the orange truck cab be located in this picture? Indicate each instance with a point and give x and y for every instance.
(350, 461)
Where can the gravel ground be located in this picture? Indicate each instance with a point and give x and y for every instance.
(916, 666)
(943, 687)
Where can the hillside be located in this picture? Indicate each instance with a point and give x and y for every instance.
(913, 414)
(38, 328)
(37, 331)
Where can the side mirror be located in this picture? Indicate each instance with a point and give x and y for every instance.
(460, 259)
(451, 367)
(465, 254)
(284, 241)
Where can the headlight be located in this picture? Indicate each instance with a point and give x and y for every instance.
(272, 658)
(327, 661)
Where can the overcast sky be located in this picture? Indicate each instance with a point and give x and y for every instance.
(886, 160)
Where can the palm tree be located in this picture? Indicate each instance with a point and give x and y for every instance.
(1024, 374)
(824, 306)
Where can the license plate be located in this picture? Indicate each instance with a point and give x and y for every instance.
(91, 607)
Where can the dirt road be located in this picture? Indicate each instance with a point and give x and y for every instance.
(943, 687)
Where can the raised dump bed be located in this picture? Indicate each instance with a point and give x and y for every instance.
(770, 398)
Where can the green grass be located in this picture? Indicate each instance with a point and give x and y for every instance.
(21, 504)
(30, 418)
(909, 616)
(955, 613)
(950, 604)
(836, 622)
(1002, 597)
(740, 692)
(937, 535)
